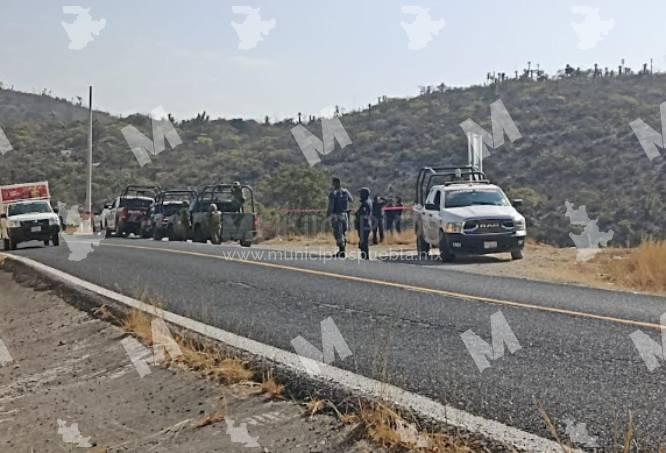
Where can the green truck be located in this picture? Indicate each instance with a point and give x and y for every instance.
(239, 218)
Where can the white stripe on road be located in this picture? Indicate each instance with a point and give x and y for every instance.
(368, 387)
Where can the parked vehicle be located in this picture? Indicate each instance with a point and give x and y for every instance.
(459, 211)
(26, 215)
(239, 219)
(165, 214)
(127, 213)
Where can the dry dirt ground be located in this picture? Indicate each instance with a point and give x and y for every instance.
(541, 262)
(67, 384)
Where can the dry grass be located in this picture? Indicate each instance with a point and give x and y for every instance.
(314, 407)
(271, 388)
(210, 364)
(211, 419)
(385, 427)
(644, 268)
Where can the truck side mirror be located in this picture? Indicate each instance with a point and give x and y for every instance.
(517, 202)
(431, 207)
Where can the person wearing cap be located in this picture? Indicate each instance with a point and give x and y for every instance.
(339, 199)
(363, 223)
(215, 223)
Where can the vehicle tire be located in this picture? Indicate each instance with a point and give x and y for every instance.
(170, 233)
(198, 234)
(517, 254)
(12, 245)
(46, 242)
(107, 232)
(422, 246)
(246, 243)
(157, 234)
(445, 253)
(6, 245)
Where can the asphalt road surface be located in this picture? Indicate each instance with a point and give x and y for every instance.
(403, 322)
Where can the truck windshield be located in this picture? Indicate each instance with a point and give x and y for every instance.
(37, 207)
(135, 203)
(461, 198)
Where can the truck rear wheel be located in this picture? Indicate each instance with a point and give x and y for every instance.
(55, 240)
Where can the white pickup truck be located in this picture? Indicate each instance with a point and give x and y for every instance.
(459, 212)
(26, 215)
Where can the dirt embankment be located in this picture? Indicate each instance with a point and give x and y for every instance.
(68, 384)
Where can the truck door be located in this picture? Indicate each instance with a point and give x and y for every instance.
(431, 219)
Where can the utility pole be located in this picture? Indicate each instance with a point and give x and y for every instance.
(89, 224)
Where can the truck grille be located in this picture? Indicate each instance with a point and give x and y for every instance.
(488, 226)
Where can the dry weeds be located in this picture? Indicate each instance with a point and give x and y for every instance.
(388, 429)
(644, 268)
(211, 419)
(271, 387)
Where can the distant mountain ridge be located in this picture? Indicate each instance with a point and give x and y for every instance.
(576, 145)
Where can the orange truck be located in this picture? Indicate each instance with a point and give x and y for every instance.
(26, 215)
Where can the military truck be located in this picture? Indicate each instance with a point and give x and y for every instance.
(26, 215)
(239, 219)
(165, 214)
(459, 212)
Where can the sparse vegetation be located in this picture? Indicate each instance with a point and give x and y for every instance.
(644, 268)
(576, 145)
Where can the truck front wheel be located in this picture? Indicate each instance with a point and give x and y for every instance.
(10, 244)
(517, 254)
(422, 246)
(445, 253)
(55, 240)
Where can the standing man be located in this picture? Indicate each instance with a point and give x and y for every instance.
(238, 199)
(378, 204)
(338, 210)
(363, 223)
(215, 223)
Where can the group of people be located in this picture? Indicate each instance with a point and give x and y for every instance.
(371, 216)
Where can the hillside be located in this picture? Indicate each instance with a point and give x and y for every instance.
(576, 145)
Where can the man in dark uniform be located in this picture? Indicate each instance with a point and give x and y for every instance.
(378, 204)
(363, 223)
(338, 211)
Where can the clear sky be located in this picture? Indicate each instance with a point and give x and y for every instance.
(185, 56)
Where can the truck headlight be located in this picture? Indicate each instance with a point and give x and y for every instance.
(454, 228)
(520, 224)
(55, 221)
(13, 224)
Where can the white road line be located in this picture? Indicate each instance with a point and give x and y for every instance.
(351, 381)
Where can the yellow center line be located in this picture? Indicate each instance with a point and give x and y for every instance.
(421, 289)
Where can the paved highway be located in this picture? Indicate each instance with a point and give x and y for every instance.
(403, 322)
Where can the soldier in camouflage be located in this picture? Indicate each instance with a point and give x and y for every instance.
(215, 223)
